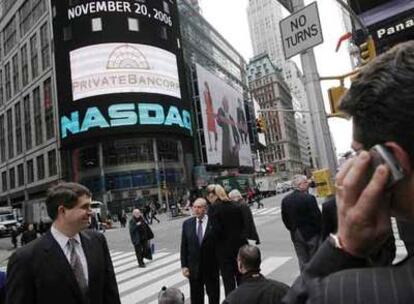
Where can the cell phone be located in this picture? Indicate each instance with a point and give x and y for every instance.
(380, 154)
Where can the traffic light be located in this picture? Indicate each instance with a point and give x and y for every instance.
(367, 50)
(335, 95)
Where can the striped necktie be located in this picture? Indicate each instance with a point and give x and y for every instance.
(76, 265)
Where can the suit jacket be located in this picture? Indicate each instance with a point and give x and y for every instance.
(333, 276)
(193, 256)
(40, 273)
(249, 231)
(300, 211)
(227, 218)
(257, 290)
(329, 218)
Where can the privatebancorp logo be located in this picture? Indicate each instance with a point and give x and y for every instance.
(111, 68)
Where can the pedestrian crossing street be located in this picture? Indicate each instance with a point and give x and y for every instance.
(266, 211)
(141, 285)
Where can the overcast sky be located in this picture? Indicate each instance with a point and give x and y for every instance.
(229, 17)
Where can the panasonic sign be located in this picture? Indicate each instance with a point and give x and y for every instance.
(395, 28)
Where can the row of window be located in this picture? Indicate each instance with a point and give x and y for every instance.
(29, 13)
(28, 123)
(25, 173)
(10, 77)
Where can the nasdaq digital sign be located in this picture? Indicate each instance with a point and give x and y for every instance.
(119, 69)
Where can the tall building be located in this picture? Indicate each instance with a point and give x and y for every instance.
(264, 17)
(224, 115)
(29, 150)
(108, 108)
(119, 102)
(270, 90)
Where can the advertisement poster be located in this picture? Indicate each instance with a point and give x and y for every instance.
(224, 122)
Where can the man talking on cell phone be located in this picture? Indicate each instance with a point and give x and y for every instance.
(381, 104)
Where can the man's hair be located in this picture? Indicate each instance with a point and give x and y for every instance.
(66, 195)
(297, 179)
(235, 195)
(200, 200)
(170, 296)
(250, 257)
(381, 100)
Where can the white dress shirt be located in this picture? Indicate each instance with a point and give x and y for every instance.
(203, 224)
(62, 240)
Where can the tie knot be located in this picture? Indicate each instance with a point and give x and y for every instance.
(72, 242)
(200, 221)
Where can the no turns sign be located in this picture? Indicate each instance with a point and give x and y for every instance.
(301, 30)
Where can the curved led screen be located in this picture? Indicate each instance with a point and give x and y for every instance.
(119, 69)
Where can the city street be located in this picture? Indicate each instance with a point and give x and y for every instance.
(137, 285)
(141, 285)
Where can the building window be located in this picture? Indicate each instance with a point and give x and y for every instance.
(29, 13)
(30, 171)
(25, 65)
(1, 88)
(7, 77)
(44, 46)
(34, 61)
(12, 178)
(10, 141)
(40, 167)
(133, 24)
(97, 24)
(48, 104)
(163, 33)
(2, 140)
(166, 7)
(4, 181)
(37, 116)
(10, 36)
(20, 175)
(51, 158)
(27, 122)
(16, 80)
(18, 128)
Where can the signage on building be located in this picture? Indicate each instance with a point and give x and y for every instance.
(119, 70)
(399, 28)
(226, 134)
(301, 31)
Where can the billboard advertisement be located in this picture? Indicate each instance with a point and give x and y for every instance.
(224, 122)
(119, 70)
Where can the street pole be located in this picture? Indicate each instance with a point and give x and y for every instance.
(323, 143)
(157, 168)
(165, 183)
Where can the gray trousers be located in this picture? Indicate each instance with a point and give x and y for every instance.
(305, 249)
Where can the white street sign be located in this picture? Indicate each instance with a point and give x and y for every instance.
(301, 30)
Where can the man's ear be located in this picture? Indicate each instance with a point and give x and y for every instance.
(401, 156)
(61, 210)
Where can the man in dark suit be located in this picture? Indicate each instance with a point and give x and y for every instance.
(302, 217)
(67, 265)
(381, 104)
(198, 261)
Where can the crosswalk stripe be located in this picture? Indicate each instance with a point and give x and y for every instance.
(146, 276)
(121, 256)
(138, 295)
(134, 264)
(121, 264)
(265, 211)
(115, 253)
